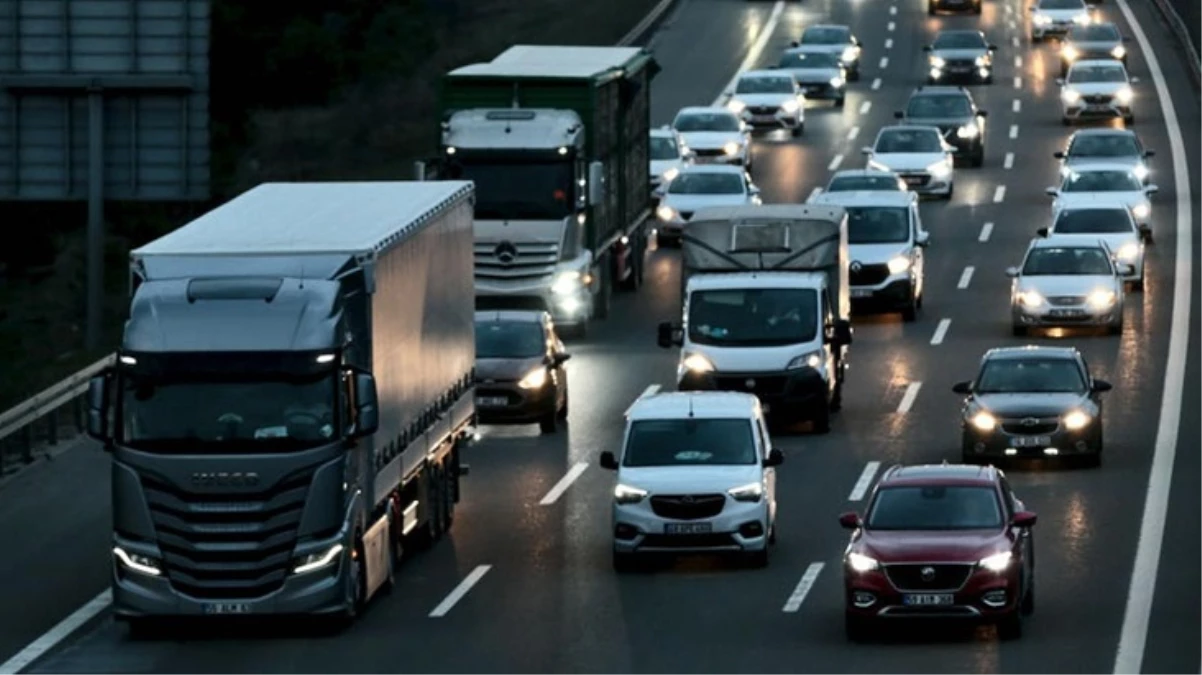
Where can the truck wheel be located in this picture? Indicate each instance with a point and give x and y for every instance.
(356, 582)
(435, 487)
(602, 298)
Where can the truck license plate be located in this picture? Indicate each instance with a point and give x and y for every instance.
(688, 528)
(491, 401)
(227, 608)
(927, 599)
(1031, 441)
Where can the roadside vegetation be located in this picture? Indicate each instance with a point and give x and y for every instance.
(314, 90)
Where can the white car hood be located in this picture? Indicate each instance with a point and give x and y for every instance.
(685, 479)
(1114, 240)
(694, 202)
(813, 75)
(1089, 199)
(661, 166)
(875, 254)
(754, 359)
(1095, 88)
(710, 140)
(1060, 14)
(901, 161)
(763, 99)
(1077, 284)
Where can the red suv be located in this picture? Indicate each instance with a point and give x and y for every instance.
(940, 541)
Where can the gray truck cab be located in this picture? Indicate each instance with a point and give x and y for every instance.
(765, 307)
(887, 244)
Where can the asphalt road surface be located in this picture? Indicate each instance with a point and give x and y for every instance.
(545, 598)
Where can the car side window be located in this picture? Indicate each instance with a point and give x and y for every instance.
(765, 439)
(1008, 497)
(915, 220)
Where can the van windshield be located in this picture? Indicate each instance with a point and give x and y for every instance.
(753, 317)
(690, 442)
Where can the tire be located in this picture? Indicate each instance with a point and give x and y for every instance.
(563, 412)
(436, 502)
(854, 76)
(1028, 604)
(797, 131)
(635, 280)
(624, 563)
(931, 9)
(1129, 120)
(910, 312)
(858, 629)
(822, 419)
(978, 160)
(1066, 121)
(357, 580)
(1115, 328)
(1138, 284)
(836, 403)
(1010, 627)
(977, 10)
(1019, 331)
(602, 299)
(1035, 39)
(549, 422)
(951, 192)
(758, 559)
(839, 102)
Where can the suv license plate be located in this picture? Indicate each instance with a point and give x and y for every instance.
(688, 528)
(1031, 441)
(927, 600)
(227, 608)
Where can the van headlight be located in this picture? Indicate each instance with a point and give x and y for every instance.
(1077, 420)
(697, 363)
(137, 563)
(997, 562)
(665, 213)
(732, 148)
(968, 131)
(751, 492)
(899, 264)
(534, 379)
(1101, 299)
(837, 81)
(1142, 211)
(1124, 95)
(812, 359)
(628, 494)
(568, 282)
(316, 561)
(789, 106)
(1128, 252)
(670, 174)
(1070, 96)
(861, 563)
(849, 54)
(1141, 171)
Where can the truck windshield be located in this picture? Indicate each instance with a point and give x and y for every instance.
(515, 190)
(753, 317)
(224, 416)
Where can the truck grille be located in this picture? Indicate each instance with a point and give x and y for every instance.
(687, 507)
(940, 577)
(868, 275)
(1042, 426)
(515, 261)
(227, 546)
(773, 385)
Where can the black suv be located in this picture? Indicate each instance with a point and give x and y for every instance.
(954, 112)
(934, 6)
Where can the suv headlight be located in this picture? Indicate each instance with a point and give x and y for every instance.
(861, 563)
(316, 561)
(567, 282)
(968, 131)
(1128, 252)
(1077, 420)
(751, 492)
(981, 61)
(984, 421)
(938, 62)
(732, 148)
(1030, 298)
(1124, 95)
(137, 563)
(940, 169)
(534, 379)
(899, 264)
(665, 212)
(1101, 299)
(736, 106)
(789, 106)
(1070, 96)
(812, 359)
(697, 363)
(1140, 170)
(628, 494)
(997, 562)
(1142, 210)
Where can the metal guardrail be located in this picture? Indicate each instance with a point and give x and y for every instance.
(39, 420)
(1182, 32)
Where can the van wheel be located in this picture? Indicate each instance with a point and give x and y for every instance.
(822, 419)
(910, 312)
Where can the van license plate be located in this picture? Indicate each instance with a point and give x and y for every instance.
(688, 528)
(227, 608)
(1031, 441)
(927, 600)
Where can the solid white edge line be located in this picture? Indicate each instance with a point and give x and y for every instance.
(1008, 162)
(999, 194)
(986, 230)
(564, 483)
(754, 53)
(651, 390)
(1133, 638)
(459, 591)
(835, 163)
(907, 401)
(61, 631)
(803, 588)
(966, 277)
(864, 482)
(941, 331)
(876, 84)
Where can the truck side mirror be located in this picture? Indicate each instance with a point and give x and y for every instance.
(98, 409)
(596, 183)
(367, 408)
(668, 335)
(841, 332)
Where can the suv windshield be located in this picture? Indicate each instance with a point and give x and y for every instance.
(714, 121)
(1030, 376)
(1090, 221)
(935, 507)
(865, 183)
(753, 317)
(1105, 32)
(878, 224)
(1082, 74)
(960, 40)
(904, 140)
(1103, 145)
(664, 148)
(764, 85)
(809, 60)
(510, 189)
(1067, 262)
(690, 442)
(825, 36)
(706, 184)
(509, 340)
(939, 106)
(1115, 180)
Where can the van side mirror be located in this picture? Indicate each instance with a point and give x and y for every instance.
(850, 521)
(775, 458)
(1123, 269)
(866, 150)
(926, 48)
(964, 388)
(1100, 386)
(897, 115)
(794, 43)
(609, 461)
(596, 183)
(668, 335)
(841, 332)
(1043, 232)
(367, 408)
(993, 48)
(923, 238)
(98, 409)
(560, 359)
(1023, 519)
(1152, 189)
(982, 113)
(1145, 231)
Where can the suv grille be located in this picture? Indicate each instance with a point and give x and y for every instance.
(868, 275)
(946, 577)
(229, 545)
(687, 507)
(762, 109)
(515, 261)
(1097, 98)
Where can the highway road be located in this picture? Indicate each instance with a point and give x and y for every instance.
(525, 583)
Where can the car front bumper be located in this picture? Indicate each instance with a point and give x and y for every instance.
(926, 183)
(823, 91)
(1083, 109)
(1047, 438)
(895, 292)
(984, 596)
(800, 390)
(507, 403)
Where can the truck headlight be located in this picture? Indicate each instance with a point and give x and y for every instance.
(1142, 210)
(751, 492)
(1076, 420)
(1128, 252)
(899, 264)
(732, 148)
(696, 363)
(938, 62)
(534, 379)
(940, 169)
(1030, 298)
(736, 106)
(812, 359)
(665, 213)
(628, 494)
(1070, 96)
(861, 563)
(568, 282)
(984, 421)
(789, 106)
(137, 563)
(997, 562)
(316, 561)
(968, 131)
(1124, 95)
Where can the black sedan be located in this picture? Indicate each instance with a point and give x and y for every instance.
(1032, 402)
(520, 374)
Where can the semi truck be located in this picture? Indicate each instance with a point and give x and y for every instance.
(766, 307)
(290, 399)
(556, 140)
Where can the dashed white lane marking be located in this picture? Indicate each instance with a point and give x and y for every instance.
(36, 649)
(651, 390)
(889, 43)
(1008, 162)
(460, 591)
(1009, 9)
(892, 26)
(865, 481)
(865, 107)
(1017, 106)
(835, 163)
(999, 194)
(966, 277)
(753, 54)
(941, 331)
(814, 193)
(803, 588)
(893, 10)
(884, 62)
(1018, 82)
(564, 483)
(1013, 131)
(986, 230)
(1018, 62)
(1012, 25)
(1014, 41)
(907, 401)
(1129, 656)
(851, 135)
(876, 84)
